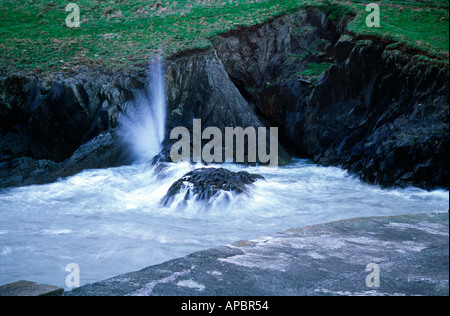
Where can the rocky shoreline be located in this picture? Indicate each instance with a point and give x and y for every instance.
(378, 111)
(331, 259)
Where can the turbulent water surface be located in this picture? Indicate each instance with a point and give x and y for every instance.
(110, 222)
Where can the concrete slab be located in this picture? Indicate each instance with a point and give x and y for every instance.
(411, 253)
(27, 288)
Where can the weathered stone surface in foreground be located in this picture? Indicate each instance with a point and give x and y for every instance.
(412, 252)
(27, 288)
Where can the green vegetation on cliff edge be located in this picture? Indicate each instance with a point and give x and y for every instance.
(122, 34)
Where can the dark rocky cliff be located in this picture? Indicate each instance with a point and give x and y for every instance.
(56, 128)
(390, 111)
(378, 111)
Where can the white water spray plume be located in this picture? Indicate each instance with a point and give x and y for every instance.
(142, 126)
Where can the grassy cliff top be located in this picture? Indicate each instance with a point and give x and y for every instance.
(122, 34)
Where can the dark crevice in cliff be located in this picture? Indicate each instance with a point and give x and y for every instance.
(266, 63)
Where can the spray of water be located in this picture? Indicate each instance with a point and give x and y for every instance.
(142, 126)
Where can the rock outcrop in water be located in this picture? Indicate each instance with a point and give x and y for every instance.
(206, 183)
(44, 119)
(103, 151)
(378, 110)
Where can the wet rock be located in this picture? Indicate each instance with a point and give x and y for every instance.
(28, 288)
(26, 171)
(103, 151)
(50, 119)
(52, 128)
(328, 259)
(199, 87)
(206, 183)
(383, 115)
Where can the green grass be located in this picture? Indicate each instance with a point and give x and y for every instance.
(123, 34)
(313, 71)
(335, 10)
(422, 25)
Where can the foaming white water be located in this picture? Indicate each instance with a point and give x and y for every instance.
(143, 125)
(110, 221)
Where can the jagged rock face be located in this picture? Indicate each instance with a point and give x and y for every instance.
(50, 120)
(382, 114)
(206, 183)
(390, 112)
(58, 128)
(199, 88)
(103, 151)
(265, 64)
